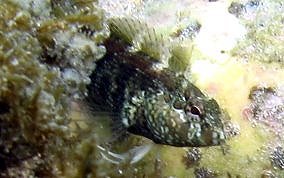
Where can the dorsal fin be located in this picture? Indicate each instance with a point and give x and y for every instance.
(117, 49)
(160, 50)
(142, 37)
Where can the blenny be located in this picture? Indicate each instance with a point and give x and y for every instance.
(157, 104)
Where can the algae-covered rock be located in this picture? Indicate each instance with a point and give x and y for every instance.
(264, 21)
(45, 61)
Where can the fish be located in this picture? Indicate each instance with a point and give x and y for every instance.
(157, 104)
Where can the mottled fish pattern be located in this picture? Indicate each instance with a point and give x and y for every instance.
(159, 105)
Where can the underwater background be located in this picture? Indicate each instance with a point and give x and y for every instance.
(232, 50)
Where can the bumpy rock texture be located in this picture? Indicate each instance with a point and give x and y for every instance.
(264, 21)
(47, 51)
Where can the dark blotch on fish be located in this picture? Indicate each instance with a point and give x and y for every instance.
(159, 105)
(4, 108)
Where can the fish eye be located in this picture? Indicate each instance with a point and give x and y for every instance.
(195, 110)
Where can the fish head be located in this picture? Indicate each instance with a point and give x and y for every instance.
(182, 119)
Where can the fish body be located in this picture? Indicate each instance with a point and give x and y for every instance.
(158, 105)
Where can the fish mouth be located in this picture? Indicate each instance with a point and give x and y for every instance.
(210, 137)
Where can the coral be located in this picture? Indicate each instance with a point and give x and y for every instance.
(191, 157)
(267, 108)
(277, 157)
(204, 173)
(264, 21)
(45, 60)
